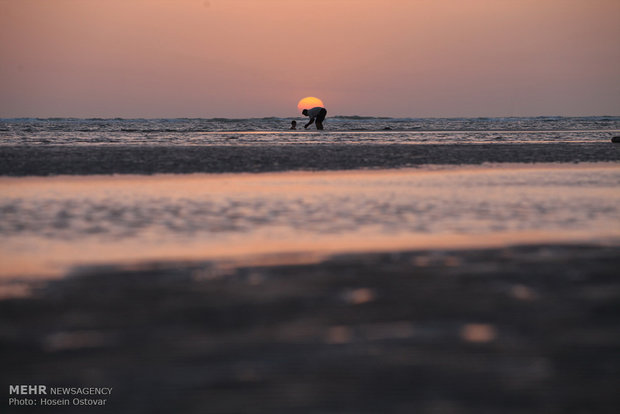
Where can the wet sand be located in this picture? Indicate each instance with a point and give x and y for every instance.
(530, 328)
(135, 218)
(517, 329)
(123, 159)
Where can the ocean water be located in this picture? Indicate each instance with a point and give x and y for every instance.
(275, 131)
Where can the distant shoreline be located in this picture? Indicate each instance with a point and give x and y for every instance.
(133, 159)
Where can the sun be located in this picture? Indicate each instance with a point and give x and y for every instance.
(309, 103)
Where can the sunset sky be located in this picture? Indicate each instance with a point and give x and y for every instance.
(256, 58)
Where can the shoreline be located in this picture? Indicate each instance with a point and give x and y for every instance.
(127, 159)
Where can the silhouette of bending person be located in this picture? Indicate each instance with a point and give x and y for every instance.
(316, 114)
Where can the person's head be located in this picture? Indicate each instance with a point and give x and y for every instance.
(304, 112)
(293, 123)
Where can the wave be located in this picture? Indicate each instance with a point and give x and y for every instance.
(195, 128)
(281, 118)
(359, 117)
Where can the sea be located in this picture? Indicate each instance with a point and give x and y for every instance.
(276, 131)
(50, 226)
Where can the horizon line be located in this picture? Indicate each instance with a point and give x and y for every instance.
(361, 117)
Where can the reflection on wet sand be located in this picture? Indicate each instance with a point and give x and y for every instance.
(297, 216)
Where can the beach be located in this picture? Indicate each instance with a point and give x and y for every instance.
(329, 207)
(313, 278)
(514, 329)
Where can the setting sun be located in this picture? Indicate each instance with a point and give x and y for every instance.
(309, 103)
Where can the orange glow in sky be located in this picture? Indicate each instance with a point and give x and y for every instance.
(251, 58)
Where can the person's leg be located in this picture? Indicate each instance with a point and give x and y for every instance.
(320, 117)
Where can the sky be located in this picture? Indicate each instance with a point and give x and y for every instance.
(258, 58)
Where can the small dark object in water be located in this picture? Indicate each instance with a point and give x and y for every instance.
(387, 129)
(616, 139)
